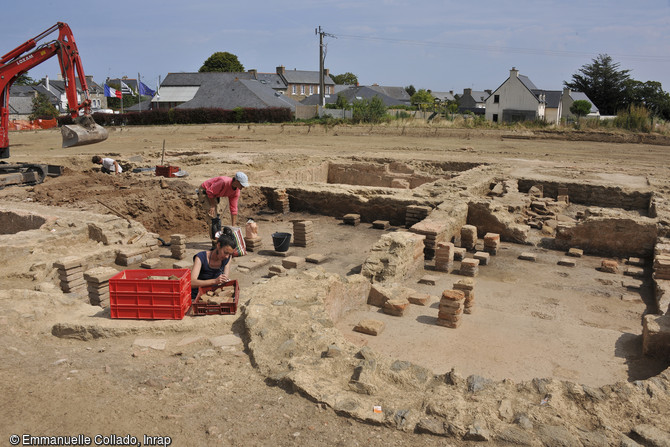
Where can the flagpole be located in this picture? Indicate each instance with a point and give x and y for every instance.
(121, 88)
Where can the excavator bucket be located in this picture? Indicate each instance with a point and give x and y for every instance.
(83, 131)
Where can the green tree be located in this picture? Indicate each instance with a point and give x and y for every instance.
(341, 102)
(410, 90)
(581, 108)
(603, 82)
(422, 99)
(370, 110)
(42, 108)
(24, 79)
(347, 78)
(649, 94)
(222, 61)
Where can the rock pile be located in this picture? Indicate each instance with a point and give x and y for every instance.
(451, 308)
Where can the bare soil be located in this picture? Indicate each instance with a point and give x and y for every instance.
(566, 323)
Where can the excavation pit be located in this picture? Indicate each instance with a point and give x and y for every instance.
(12, 222)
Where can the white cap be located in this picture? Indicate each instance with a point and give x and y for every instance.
(242, 178)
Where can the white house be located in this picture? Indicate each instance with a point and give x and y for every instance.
(515, 100)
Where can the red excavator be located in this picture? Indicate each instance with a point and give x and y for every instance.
(83, 131)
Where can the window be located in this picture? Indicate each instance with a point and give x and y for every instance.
(302, 89)
(311, 89)
(496, 99)
(328, 89)
(293, 89)
(495, 117)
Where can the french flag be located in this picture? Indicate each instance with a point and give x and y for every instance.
(111, 92)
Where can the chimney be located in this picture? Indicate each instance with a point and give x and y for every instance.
(281, 70)
(514, 73)
(326, 72)
(451, 92)
(566, 91)
(254, 73)
(46, 82)
(488, 91)
(467, 91)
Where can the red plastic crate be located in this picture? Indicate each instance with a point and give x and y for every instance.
(201, 308)
(132, 295)
(166, 171)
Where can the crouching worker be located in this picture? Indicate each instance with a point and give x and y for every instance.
(212, 268)
(210, 192)
(109, 165)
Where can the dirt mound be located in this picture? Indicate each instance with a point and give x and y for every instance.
(163, 206)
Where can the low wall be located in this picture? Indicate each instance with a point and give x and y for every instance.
(593, 195)
(369, 174)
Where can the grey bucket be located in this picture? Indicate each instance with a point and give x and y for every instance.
(281, 241)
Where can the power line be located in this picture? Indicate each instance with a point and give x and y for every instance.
(494, 48)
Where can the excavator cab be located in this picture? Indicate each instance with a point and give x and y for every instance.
(84, 131)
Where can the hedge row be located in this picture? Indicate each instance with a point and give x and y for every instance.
(189, 116)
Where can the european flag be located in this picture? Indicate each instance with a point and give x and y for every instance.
(146, 91)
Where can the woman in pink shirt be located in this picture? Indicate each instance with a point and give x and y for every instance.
(212, 190)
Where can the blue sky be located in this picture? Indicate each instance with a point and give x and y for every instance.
(437, 45)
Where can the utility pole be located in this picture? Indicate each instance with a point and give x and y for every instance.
(322, 58)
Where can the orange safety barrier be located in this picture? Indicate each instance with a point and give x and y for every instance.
(32, 125)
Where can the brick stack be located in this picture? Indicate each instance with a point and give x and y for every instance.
(381, 224)
(468, 236)
(416, 213)
(459, 253)
(178, 246)
(281, 201)
(435, 233)
(491, 243)
(352, 219)
(444, 257)
(71, 273)
(467, 286)
(469, 267)
(303, 233)
(141, 249)
(662, 267)
(97, 282)
(253, 243)
(451, 308)
(609, 266)
(483, 257)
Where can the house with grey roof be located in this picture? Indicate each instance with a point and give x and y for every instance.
(21, 100)
(218, 90)
(398, 93)
(568, 97)
(303, 83)
(272, 80)
(56, 87)
(518, 99)
(473, 101)
(443, 97)
(355, 93)
(515, 100)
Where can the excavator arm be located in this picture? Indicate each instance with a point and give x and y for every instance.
(28, 55)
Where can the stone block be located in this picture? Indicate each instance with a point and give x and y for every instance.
(428, 279)
(395, 307)
(381, 224)
(453, 295)
(185, 264)
(638, 262)
(99, 275)
(567, 262)
(447, 323)
(527, 256)
(483, 257)
(656, 336)
(150, 263)
(292, 262)
(575, 252)
(370, 327)
(635, 272)
(420, 299)
(459, 253)
(67, 263)
(316, 258)
(277, 268)
(609, 266)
